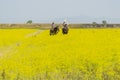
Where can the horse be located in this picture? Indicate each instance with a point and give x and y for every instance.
(54, 31)
(65, 29)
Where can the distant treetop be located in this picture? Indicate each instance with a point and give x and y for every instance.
(29, 22)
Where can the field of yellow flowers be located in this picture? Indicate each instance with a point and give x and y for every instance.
(83, 54)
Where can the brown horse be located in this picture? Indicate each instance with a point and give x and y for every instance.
(65, 29)
(54, 30)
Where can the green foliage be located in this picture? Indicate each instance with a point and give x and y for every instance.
(104, 22)
(29, 22)
(94, 24)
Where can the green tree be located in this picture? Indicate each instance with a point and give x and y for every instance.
(94, 24)
(29, 22)
(104, 22)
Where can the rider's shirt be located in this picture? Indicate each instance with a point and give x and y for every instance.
(53, 25)
(65, 23)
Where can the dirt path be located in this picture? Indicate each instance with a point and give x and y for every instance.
(12, 47)
(34, 34)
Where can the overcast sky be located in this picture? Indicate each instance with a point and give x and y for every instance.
(19, 11)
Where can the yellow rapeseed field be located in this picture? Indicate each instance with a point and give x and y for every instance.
(82, 54)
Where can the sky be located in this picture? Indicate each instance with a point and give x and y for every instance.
(45, 11)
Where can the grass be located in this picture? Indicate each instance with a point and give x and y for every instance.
(83, 54)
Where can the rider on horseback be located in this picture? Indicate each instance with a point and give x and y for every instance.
(53, 25)
(65, 24)
(65, 27)
(54, 29)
